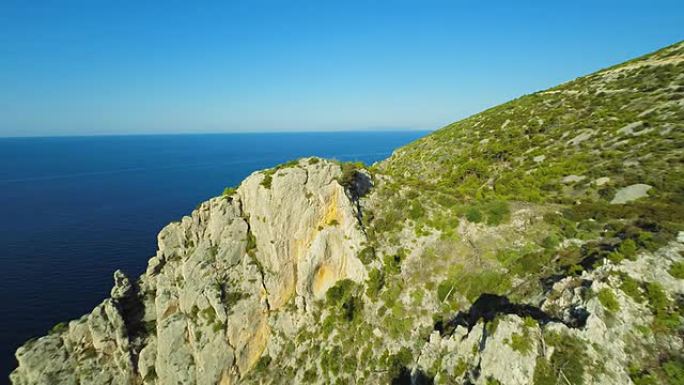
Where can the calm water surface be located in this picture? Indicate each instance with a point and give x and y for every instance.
(73, 210)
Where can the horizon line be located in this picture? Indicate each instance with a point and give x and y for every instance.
(370, 130)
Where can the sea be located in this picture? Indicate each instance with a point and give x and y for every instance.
(75, 209)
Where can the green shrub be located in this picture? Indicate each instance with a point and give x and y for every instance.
(473, 215)
(218, 326)
(566, 365)
(631, 287)
(674, 371)
(233, 297)
(263, 363)
(473, 284)
(343, 298)
(229, 191)
(209, 314)
(392, 263)
(665, 319)
(416, 211)
(657, 299)
(349, 170)
(375, 282)
(497, 212)
(150, 327)
(151, 375)
(521, 342)
(616, 257)
(367, 255)
(251, 246)
(628, 248)
(550, 242)
(268, 179)
(608, 300)
(59, 328)
(397, 361)
(677, 270)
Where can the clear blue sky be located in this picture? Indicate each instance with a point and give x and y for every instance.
(118, 67)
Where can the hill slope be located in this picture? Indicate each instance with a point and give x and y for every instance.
(536, 242)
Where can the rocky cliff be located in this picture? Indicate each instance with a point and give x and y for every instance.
(538, 242)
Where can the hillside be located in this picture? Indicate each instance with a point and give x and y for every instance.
(537, 242)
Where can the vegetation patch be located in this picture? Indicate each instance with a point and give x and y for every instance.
(471, 284)
(608, 300)
(567, 363)
(344, 299)
(677, 270)
(229, 192)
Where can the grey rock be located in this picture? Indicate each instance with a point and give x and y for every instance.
(631, 193)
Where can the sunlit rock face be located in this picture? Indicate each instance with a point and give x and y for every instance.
(203, 312)
(538, 242)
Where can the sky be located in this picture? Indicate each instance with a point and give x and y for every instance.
(97, 67)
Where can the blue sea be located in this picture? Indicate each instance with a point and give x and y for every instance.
(74, 209)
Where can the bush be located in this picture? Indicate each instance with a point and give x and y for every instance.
(566, 364)
(473, 215)
(665, 319)
(631, 287)
(608, 300)
(657, 299)
(59, 328)
(251, 246)
(521, 342)
(472, 285)
(628, 248)
(229, 191)
(550, 242)
(677, 270)
(393, 262)
(497, 212)
(416, 211)
(263, 363)
(674, 371)
(268, 179)
(349, 170)
(397, 361)
(375, 282)
(343, 298)
(366, 255)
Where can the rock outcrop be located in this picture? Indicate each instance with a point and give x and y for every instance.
(206, 308)
(538, 242)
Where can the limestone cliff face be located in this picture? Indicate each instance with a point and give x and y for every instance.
(538, 242)
(207, 306)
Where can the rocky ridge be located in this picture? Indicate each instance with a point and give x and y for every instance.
(538, 242)
(207, 307)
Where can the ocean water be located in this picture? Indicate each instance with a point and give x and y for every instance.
(73, 210)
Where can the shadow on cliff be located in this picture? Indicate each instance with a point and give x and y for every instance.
(488, 306)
